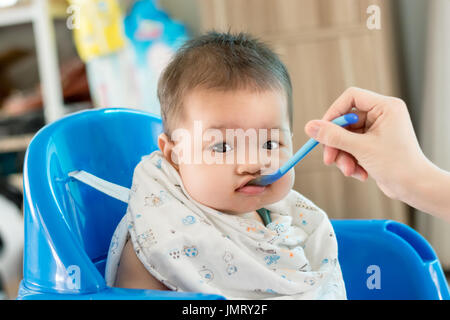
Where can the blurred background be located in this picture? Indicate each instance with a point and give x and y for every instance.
(58, 57)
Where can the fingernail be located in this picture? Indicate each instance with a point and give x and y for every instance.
(313, 130)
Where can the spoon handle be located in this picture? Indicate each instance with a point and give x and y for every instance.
(342, 121)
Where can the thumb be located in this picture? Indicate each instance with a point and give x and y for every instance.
(332, 135)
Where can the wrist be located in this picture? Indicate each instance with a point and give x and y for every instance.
(427, 189)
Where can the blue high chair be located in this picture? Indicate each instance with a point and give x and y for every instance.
(68, 224)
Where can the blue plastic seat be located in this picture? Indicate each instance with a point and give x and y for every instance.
(68, 225)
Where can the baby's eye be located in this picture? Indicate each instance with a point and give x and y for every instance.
(221, 147)
(271, 145)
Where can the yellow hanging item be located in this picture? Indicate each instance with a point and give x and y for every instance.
(97, 27)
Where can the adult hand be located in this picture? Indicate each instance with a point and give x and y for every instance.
(381, 144)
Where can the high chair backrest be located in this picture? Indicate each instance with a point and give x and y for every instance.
(68, 225)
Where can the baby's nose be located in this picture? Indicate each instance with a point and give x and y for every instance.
(249, 168)
(252, 162)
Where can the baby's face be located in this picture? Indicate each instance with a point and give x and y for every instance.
(214, 181)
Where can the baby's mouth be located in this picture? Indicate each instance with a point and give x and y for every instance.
(250, 189)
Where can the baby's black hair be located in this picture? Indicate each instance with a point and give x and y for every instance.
(223, 61)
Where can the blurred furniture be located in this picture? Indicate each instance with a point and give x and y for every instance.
(69, 225)
(11, 245)
(38, 13)
(327, 47)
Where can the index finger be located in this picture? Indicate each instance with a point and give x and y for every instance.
(353, 98)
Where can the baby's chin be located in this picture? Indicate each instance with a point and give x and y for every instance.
(237, 202)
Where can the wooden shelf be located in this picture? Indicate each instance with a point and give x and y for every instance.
(25, 12)
(39, 14)
(16, 180)
(15, 143)
(21, 13)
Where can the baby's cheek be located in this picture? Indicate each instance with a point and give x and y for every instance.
(191, 180)
(202, 184)
(282, 186)
(287, 181)
(289, 178)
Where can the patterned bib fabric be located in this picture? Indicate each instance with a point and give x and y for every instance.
(191, 247)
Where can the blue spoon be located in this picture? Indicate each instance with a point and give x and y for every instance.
(264, 180)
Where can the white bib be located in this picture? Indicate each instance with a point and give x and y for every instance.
(191, 247)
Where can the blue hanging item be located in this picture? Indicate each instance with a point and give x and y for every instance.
(154, 37)
(147, 25)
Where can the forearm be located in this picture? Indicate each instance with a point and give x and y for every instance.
(428, 190)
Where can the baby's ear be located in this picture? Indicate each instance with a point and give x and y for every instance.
(167, 148)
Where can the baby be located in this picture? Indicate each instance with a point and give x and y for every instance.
(193, 223)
